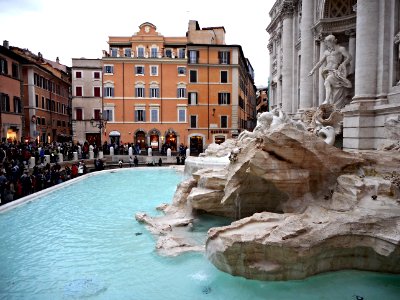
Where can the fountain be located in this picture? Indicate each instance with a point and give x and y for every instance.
(302, 206)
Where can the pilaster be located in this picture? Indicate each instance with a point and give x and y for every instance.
(307, 49)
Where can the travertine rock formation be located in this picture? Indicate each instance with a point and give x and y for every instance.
(303, 207)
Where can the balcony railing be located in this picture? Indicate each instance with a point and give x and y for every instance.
(146, 54)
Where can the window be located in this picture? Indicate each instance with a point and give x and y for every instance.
(224, 76)
(5, 102)
(224, 57)
(140, 115)
(154, 92)
(37, 100)
(38, 121)
(140, 52)
(139, 92)
(181, 70)
(192, 98)
(181, 53)
(78, 74)
(154, 52)
(193, 121)
(79, 114)
(43, 121)
(168, 53)
(43, 102)
(109, 91)
(96, 114)
(181, 115)
(153, 70)
(96, 91)
(193, 56)
(108, 115)
(17, 105)
(96, 75)
(109, 69)
(154, 115)
(224, 121)
(224, 98)
(193, 76)
(58, 123)
(128, 52)
(114, 52)
(139, 70)
(241, 103)
(181, 92)
(78, 91)
(3, 66)
(15, 71)
(48, 103)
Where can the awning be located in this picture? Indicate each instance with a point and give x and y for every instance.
(114, 133)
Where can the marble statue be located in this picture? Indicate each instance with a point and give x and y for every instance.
(334, 72)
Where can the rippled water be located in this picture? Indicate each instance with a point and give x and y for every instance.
(83, 242)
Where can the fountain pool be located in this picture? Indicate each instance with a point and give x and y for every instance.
(82, 241)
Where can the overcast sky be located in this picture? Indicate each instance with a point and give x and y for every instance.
(80, 28)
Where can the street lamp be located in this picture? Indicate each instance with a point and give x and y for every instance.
(100, 123)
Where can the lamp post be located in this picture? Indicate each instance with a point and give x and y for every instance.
(100, 123)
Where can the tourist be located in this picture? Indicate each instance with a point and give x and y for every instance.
(136, 161)
(120, 163)
(130, 161)
(160, 161)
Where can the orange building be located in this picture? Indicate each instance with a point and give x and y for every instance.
(11, 115)
(35, 97)
(193, 90)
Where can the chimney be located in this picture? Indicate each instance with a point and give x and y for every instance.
(6, 44)
(57, 60)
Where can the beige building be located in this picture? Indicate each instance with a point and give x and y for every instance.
(370, 31)
(87, 100)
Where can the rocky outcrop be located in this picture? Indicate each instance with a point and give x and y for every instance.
(303, 206)
(350, 230)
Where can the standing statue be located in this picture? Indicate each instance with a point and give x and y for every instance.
(334, 72)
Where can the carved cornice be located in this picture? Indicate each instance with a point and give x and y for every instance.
(283, 9)
(328, 26)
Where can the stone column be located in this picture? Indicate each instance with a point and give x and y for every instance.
(367, 50)
(352, 51)
(287, 63)
(321, 80)
(307, 49)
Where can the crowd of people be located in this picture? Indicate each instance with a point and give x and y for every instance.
(18, 180)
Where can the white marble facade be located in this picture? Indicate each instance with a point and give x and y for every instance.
(369, 30)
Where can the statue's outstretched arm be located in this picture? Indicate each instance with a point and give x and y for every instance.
(317, 65)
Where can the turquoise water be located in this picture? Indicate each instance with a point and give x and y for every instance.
(83, 242)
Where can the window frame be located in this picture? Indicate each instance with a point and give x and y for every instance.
(137, 70)
(192, 101)
(151, 70)
(106, 114)
(221, 77)
(193, 76)
(141, 115)
(96, 88)
(78, 88)
(181, 68)
(221, 121)
(195, 118)
(157, 110)
(108, 68)
(180, 109)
